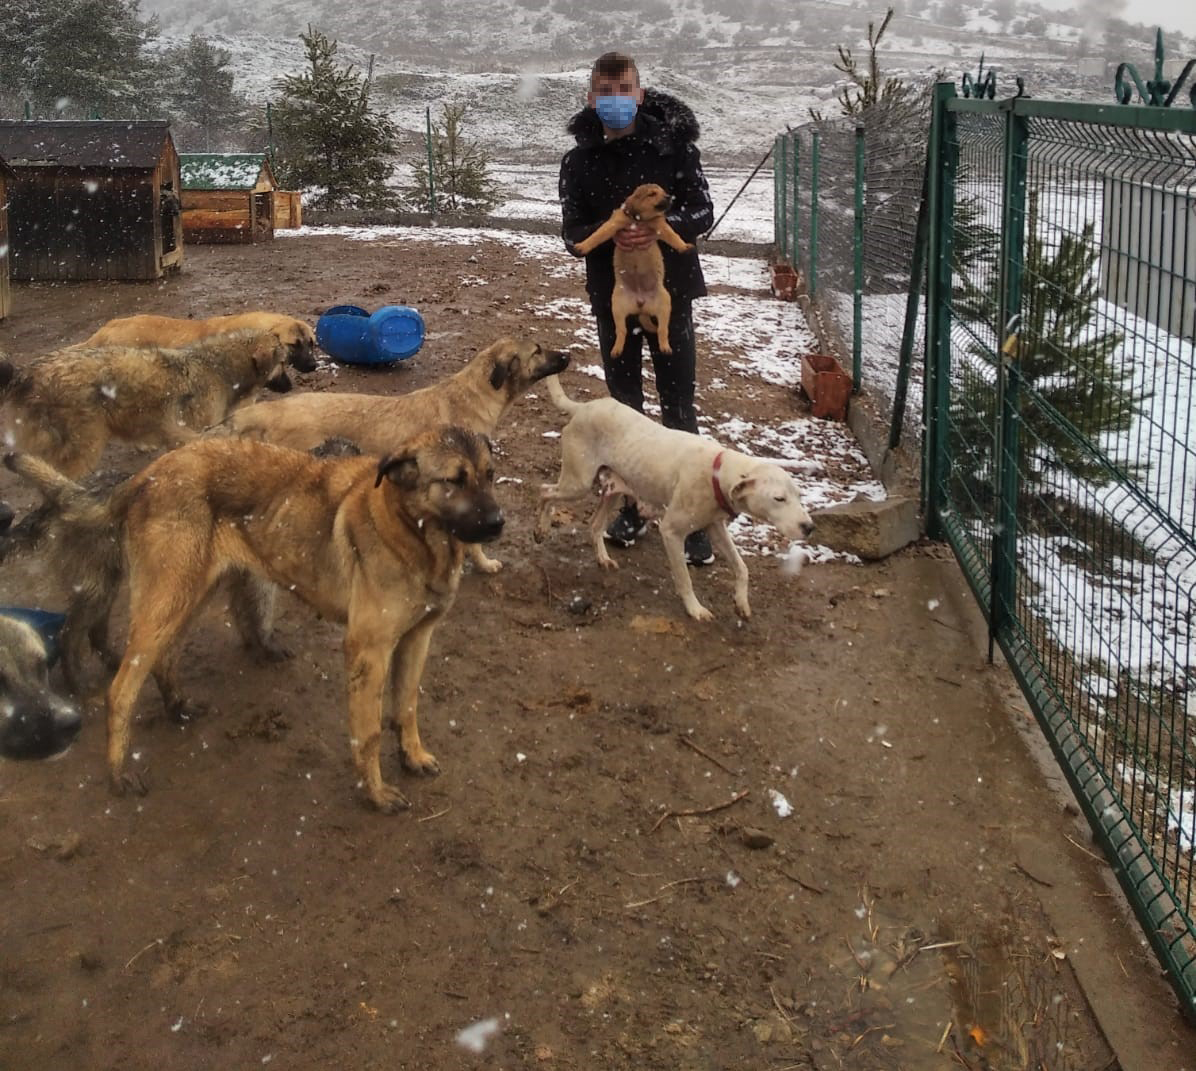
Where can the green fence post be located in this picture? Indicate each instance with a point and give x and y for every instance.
(28, 110)
(812, 281)
(857, 300)
(917, 269)
(1003, 578)
(431, 166)
(942, 154)
(796, 200)
(783, 185)
(777, 220)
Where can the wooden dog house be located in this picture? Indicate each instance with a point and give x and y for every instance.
(228, 197)
(91, 199)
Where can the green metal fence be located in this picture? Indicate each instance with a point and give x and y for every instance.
(1060, 455)
(846, 192)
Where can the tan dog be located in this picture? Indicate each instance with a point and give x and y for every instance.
(476, 398)
(374, 544)
(639, 274)
(65, 406)
(172, 331)
(696, 482)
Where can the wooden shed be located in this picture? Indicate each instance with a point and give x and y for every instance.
(228, 197)
(5, 291)
(288, 210)
(92, 199)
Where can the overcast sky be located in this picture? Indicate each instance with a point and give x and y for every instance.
(1172, 15)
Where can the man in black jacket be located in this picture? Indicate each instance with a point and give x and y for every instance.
(627, 136)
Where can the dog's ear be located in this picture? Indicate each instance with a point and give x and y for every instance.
(402, 471)
(498, 375)
(742, 486)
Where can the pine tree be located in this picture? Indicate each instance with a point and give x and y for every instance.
(207, 108)
(460, 169)
(78, 57)
(1071, 378)
(329, 136)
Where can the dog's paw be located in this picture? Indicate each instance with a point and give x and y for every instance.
(699, 612)
(187, 710)
(608, 563)
(389, 800)
(270, 652)
(744, 610)
(125, 783)
(420, 762)
(489, 566)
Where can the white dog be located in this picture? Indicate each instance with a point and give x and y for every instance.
(696, 482)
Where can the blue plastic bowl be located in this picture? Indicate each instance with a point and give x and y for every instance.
(350, 334)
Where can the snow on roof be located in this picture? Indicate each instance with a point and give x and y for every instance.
(221, 171)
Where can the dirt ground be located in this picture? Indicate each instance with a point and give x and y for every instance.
(251, 911)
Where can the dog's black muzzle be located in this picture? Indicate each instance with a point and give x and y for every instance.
(32, 729)
(555, 362)
(280, 381)
(301, 356)
(479, 526)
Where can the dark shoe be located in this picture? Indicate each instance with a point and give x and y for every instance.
(627, 527)
(697, 549)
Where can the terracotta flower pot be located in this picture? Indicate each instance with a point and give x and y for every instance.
(784, 282)
(826, 385)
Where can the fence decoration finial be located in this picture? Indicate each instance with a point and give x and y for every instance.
(983, 85)
(1159, 92)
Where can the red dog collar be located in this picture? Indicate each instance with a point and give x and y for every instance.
(719, 497)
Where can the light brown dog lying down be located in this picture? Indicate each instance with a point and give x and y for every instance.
(172, 331)
(639, 273)
(696, 482)
(65, 406)
(375, 544)
(476, 398)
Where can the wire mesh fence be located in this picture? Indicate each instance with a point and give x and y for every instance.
(847, 191)
(1062, 459)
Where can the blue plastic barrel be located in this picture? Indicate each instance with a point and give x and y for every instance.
(350, 334)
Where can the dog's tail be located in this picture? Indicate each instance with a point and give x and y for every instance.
(559, 398)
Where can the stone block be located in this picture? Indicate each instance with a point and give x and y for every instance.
(871, 530)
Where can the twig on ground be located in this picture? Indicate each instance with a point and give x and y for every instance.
(870, 1030)
(665, 887)
(705, 754)
(777, 1004)
(943, 1039)
(1091, 855)
(690, 812)
(804, 884)
(438, 814)
(1034, 878)
(156, 942)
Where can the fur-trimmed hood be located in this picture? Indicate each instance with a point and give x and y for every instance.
(670, 120)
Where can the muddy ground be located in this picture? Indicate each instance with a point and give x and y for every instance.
(251, 911)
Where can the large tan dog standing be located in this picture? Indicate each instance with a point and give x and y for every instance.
(476, 398)
(639, 273)
(375, 544)
(66, 405)
(174, 331)
(698, 484)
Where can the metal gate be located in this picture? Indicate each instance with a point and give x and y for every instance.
(1060, 456)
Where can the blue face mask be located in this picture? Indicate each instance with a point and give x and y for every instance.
(616, 112)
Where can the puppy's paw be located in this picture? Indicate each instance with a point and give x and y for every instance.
(699, 612)
(420, 762)
(744, 610)
(389, 800)
(489, 566)
(687, 248)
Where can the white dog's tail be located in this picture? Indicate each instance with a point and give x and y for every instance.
(559, 398)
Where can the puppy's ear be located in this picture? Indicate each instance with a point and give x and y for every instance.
(402, 471)
(499, 375)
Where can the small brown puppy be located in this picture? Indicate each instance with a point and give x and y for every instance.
(65, 406)
(639, 275)
(375, 544)
(172, 331)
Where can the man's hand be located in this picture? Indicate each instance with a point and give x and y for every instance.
(634, 238)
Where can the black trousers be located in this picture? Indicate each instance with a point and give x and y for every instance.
(675, 372)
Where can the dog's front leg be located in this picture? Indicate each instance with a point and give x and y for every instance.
(604, 233)
(481, 561)
(410, 656)
(251, 600)
(367, 659)
(674, 535)
(670, 237)
(725, 545)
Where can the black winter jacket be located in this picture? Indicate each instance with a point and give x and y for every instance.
(598, 174)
